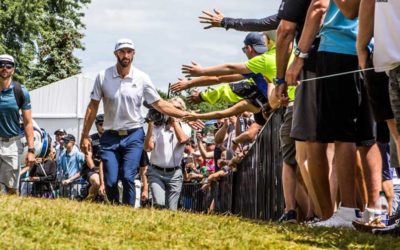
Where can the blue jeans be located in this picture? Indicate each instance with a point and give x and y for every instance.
(121, 157)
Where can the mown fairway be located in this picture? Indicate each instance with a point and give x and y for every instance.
(27, 223)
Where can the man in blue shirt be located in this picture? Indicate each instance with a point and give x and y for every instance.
(10, 129)
(70, 163)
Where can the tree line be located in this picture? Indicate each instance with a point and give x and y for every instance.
(42, 35)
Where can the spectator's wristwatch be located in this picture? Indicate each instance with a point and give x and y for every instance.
(31, 150)
(278, 81)
(298, 53)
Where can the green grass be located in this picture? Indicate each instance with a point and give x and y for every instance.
(27, 223)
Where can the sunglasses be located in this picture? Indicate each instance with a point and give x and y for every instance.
(244, 49)
(100, 124)
(6, 65)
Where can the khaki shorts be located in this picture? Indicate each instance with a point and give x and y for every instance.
(9, 162)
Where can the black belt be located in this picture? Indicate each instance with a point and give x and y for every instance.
(122, 132)
(166, 169)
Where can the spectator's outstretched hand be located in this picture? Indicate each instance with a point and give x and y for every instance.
(180, 85)
(192, 70)
(196, 125)
(213, 19)
(190, 117)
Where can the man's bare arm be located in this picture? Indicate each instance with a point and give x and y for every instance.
(365, 30)
(224, 69)
(238, 108)
(312, 25)
(204, 81)
(90, 115)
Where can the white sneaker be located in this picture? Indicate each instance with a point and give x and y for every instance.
(341, 218)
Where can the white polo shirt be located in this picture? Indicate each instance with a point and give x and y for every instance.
(123, 97)
(387, 35)
(167, 152)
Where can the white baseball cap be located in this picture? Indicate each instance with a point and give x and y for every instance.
(123, 44)
(7, 58)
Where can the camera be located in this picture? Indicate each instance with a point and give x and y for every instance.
(154, 115)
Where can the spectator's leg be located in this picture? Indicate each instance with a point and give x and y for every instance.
(9, 165)
(302, 198)
(345, 161)
(387, 187)
(361, 184)
(318, 170)
(301, 159)
(289, 163)
(132, 147)
(94, 180)
(110, 158)
(173, 190)
(157, 187)
(372, 164)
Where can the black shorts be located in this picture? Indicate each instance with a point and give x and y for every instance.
(377, 85)
(343, 112)
(305, 110)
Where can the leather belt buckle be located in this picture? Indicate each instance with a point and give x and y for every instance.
(122, 132)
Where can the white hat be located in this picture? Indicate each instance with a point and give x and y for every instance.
(6, 58)
(124, 43)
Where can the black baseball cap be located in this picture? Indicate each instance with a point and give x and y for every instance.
(68, 138)
(257, 41)
(99, 118)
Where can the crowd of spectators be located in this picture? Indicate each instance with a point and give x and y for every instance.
(339, 89)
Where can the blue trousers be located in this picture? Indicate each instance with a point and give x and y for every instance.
(121, 157)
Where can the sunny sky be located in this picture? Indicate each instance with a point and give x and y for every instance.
(166, 34)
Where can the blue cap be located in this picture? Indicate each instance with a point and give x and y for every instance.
(257, 41)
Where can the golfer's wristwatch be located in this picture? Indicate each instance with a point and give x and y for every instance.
(298, 53)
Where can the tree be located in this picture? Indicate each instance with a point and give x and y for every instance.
(42, 36)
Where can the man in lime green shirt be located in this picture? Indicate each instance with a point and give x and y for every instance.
(261, 63)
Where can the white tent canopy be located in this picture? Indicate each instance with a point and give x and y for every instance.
(63, 104)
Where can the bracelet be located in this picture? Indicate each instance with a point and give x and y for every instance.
(278, 81)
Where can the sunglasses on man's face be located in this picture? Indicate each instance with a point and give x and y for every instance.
(6, 65)
(100, 124)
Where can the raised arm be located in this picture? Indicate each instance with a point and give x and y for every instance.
(203, 81)
(238, 108)
(223, 69)
(217, 19)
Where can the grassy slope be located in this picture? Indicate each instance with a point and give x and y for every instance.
(60, 224)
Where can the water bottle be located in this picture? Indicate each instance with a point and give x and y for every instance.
(382, 208)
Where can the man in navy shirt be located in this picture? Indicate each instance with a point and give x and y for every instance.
(10, 130)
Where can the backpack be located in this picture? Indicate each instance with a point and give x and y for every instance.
(19, 95)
